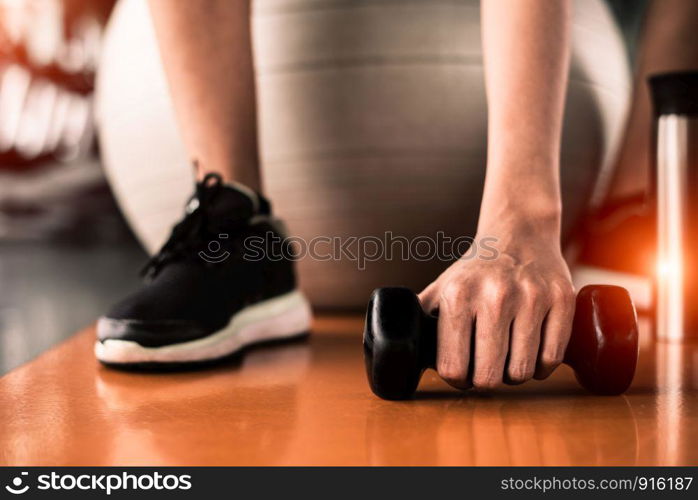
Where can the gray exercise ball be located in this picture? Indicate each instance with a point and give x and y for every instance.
(372, 120)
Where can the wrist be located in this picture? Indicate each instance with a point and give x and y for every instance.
(525, 207)
(514, 225)
(525, 189)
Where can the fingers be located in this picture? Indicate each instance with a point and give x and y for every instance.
(493, 322)
(525, 341)
(455, 330)
(556, 330)
(429, 297)
(494, 331)
(496, 303)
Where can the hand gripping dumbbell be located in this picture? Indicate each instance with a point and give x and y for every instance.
(400, 341)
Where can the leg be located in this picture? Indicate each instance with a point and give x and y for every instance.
(667, 44)
(207, 53)
(210, 294)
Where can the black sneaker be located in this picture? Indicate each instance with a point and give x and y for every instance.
(210, 291)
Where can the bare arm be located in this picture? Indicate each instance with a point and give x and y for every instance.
(526, 61)
(519, 306)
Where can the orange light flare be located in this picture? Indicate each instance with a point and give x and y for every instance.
(669, 296)
(669, 269)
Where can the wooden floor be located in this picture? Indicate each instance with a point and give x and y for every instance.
(308, 404)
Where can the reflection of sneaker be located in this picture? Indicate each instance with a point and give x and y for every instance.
(209, 292)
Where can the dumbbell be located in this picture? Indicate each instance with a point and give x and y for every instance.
(400, 341)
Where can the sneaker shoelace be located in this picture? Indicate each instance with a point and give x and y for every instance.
(192, 232)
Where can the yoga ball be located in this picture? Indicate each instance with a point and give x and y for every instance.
(372, 123)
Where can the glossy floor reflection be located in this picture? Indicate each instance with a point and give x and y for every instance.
(308, 403)
(48, 291)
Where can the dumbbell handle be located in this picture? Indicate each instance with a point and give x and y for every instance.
(572, 357)
(602, 350)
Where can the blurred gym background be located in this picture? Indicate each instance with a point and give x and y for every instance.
(65, 250)
(63, 243)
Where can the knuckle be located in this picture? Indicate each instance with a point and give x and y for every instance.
(499, 295)
(530, 285)
(520, 372)
(453, 294)
(551, 359)
(454, 375)
(534, 293)
(562, 292)
(487, 379)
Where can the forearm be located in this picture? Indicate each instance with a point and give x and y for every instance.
(526, 52)
(512, 315)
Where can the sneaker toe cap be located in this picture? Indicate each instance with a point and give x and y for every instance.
(149, 333)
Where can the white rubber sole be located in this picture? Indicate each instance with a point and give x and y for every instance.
(282, 317)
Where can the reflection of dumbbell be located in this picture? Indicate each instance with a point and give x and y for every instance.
(400, 341)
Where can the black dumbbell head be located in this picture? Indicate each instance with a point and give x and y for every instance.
(392, 337)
